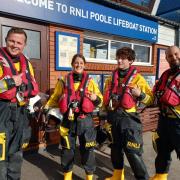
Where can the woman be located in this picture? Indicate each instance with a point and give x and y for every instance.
(79, 95)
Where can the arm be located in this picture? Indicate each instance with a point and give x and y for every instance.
(6, 83)
(95, 94)
(141, 90)
(54, 99)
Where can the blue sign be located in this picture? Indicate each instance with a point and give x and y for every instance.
(84, 14)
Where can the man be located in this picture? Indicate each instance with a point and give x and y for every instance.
(123, 92)
(167, 96)
(17, 85)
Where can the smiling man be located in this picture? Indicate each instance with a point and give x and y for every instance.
(17, 85)
(167, 96)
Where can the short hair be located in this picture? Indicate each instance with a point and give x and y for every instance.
(16, 30)
(170, 48)
(126, 52)
(76, 56)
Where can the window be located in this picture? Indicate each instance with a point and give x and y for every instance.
(32, 49)
(142, 53)
(144, 3)
(95, 48)
(103, 50)
(116, 45)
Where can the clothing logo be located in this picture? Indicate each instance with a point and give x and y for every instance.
(133, 145)
(90, 144)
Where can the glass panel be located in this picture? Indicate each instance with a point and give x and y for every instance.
(115, 46)
(32, 49)
(142, 53)
(144, 3)
(93, 48)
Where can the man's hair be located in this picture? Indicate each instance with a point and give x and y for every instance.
(171, 47)
(16, 30)
(126, 52)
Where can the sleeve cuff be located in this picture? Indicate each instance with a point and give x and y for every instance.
(97, 101)
(10, 83)
(141, 97)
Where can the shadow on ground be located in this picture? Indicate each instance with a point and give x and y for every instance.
(45, 165)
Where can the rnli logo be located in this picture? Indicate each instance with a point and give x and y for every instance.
(133, 145)
(90, 144)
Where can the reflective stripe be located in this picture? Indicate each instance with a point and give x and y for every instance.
(3, 145)
(147, 99)
(171, 116)
(3, 86)
(67, 141)
(64, 134)
(133, 109)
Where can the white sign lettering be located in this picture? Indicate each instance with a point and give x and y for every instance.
(100, 17)
(48, 4)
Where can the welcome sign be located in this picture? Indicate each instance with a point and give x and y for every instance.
(84, 14)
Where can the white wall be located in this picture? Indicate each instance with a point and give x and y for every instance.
(166, 35)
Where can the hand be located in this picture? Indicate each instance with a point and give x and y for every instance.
(46, 109)
(91, 96)
(135, 90)
(17, 79)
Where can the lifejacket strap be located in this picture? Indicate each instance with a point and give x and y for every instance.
(28, 76)
(9, 61)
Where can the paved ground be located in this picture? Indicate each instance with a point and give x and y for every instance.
(46, 165)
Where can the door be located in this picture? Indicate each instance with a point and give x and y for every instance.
(36, 49)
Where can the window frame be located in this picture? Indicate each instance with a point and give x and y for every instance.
(150, 56)
(109, 40)
(95, 59)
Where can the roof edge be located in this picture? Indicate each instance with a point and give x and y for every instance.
(120, 6)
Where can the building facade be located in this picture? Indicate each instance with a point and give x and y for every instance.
(57, 29)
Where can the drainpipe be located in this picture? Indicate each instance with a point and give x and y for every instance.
(177, 36)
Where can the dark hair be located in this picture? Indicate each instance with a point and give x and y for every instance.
(126, 52)
(80, 56)
(16, 30)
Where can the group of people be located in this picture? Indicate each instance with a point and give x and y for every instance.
(77, 95)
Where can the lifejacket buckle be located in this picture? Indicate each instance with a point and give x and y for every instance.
(110, 105)
(71, 115)
(20, 96)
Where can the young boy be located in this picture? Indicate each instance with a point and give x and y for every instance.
(123, 91)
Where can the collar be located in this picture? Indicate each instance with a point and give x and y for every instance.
(122, 73)
(15, 59)
(77, 77)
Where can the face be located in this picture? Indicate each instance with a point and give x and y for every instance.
(78, 65)
(173, 56)
(15, 44)
(123, 63)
